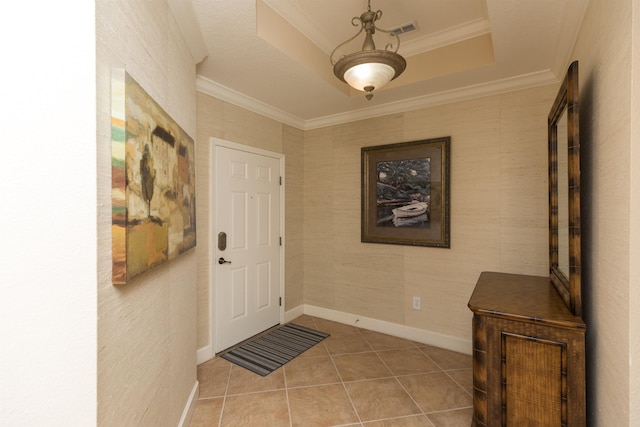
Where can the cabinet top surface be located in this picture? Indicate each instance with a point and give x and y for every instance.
(520, 297)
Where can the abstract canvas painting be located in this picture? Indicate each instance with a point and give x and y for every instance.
(153, 182)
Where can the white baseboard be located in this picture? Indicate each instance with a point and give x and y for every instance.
(189, 409)
(418, 335)
(292, 314)
(204, 354)
(423, 336)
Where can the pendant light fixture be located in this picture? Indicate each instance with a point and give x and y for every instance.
(370, 68)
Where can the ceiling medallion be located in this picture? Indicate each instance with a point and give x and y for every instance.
(369, 69)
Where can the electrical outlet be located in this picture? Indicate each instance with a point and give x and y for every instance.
(417, 303)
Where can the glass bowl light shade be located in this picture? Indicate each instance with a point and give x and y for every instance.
(369, 69)
(372, 74)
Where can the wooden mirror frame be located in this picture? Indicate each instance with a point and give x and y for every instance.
(566, 102)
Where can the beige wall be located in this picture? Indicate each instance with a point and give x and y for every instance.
(498, 211)
(147, 328)
(146, 335)
(219, 119)
(498, 208)
(634, 213)
(609, 117)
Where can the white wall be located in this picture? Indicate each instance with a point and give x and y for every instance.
(48, 215)
(59, 364)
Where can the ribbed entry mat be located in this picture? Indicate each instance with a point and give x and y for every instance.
(268, 352)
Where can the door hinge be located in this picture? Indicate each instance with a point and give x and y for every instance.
(280, 180)
(280, 241)
(280, 302)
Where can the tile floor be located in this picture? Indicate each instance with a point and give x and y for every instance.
(353, 378)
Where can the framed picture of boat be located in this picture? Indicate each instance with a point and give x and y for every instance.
(405, 193)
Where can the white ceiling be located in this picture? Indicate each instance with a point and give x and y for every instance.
(285, 72)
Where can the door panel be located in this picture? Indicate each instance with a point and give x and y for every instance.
(264, 212)
(247, 206)
(238, 221)
(238, 293)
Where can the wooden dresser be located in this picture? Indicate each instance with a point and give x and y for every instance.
(528, 354)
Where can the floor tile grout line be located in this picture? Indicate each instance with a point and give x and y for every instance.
(430, 358)
(400, 417)
(446, 372)
(459, 408)
(286, 394)
(344, 387)
(224, 400)
(344, 383)
(458, 384)
(422, 412)
(401, 385)
(393, 375)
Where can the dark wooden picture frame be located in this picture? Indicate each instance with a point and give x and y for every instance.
(565, 263)
(405, 193)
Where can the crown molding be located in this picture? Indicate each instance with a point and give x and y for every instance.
(444, 38)
(293, 14)
(231, 96)
(511, 84)
(187, 22)
(446, 97)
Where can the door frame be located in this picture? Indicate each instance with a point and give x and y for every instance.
(217, 142)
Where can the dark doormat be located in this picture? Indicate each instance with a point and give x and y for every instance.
(268, 352)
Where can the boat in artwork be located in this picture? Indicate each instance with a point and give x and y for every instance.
(411, 210)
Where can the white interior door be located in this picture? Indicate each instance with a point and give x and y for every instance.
(247, 266)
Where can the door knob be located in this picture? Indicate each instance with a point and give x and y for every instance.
(223, 261)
